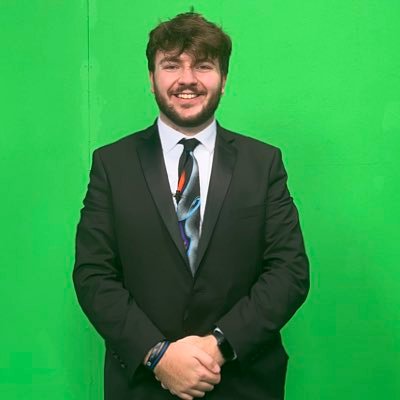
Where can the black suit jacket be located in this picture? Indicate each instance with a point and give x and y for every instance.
(133, 280)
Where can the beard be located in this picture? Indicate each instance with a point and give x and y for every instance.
(205, 114)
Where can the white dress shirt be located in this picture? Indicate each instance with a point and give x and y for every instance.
(204, 154)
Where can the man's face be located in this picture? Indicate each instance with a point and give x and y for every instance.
(187, 91)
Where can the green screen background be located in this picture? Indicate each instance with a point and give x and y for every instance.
(319, 79)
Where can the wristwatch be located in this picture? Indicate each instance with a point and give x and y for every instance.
(224, 347)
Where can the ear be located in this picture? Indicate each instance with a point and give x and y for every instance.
(223, 84)
(151, 77)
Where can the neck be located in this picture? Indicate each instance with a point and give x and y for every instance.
(187, 131)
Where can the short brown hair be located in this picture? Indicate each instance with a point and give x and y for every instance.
(190, 33)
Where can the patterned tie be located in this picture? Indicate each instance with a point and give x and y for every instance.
(188, 200)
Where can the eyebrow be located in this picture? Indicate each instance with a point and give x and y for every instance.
(169, 59)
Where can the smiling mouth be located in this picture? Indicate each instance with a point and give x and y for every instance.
(187, 96)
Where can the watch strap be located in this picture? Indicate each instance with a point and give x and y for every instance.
(224, 346)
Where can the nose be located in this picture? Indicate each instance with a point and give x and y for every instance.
(187, 76)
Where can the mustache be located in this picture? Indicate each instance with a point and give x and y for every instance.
(187, 88)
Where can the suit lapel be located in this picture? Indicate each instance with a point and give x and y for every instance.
(152, 161)
(221, 174)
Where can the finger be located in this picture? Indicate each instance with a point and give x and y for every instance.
(207, 361)
(207, 376)
(212, 379)
(184, 396)
(196, 393)
(204, 387)
(163, 386)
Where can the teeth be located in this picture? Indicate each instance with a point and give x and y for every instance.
(186, 95)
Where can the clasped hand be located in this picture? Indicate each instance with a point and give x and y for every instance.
(190, 367)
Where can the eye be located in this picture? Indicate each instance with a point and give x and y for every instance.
(205, 67)
(170, 67)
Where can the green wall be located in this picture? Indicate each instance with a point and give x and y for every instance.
(320, 79)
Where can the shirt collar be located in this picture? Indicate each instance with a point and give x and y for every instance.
(170, 137)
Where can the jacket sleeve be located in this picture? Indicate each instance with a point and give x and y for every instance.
(97, 277)
(283, 284)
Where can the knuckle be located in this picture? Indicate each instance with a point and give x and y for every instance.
(194, 382)
(203, 375)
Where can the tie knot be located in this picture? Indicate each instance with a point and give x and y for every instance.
(189, 144)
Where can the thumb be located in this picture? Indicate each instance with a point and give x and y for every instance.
(205, 359)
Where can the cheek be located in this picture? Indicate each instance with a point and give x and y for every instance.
(214, 85)
(164, 85)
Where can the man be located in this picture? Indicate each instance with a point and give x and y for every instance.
(189, 256)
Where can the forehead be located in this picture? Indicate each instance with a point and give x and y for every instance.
(165, 56)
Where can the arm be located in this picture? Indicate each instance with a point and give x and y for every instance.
(98, 280)
(284, 281)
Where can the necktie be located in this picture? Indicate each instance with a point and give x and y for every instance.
(188, 200)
